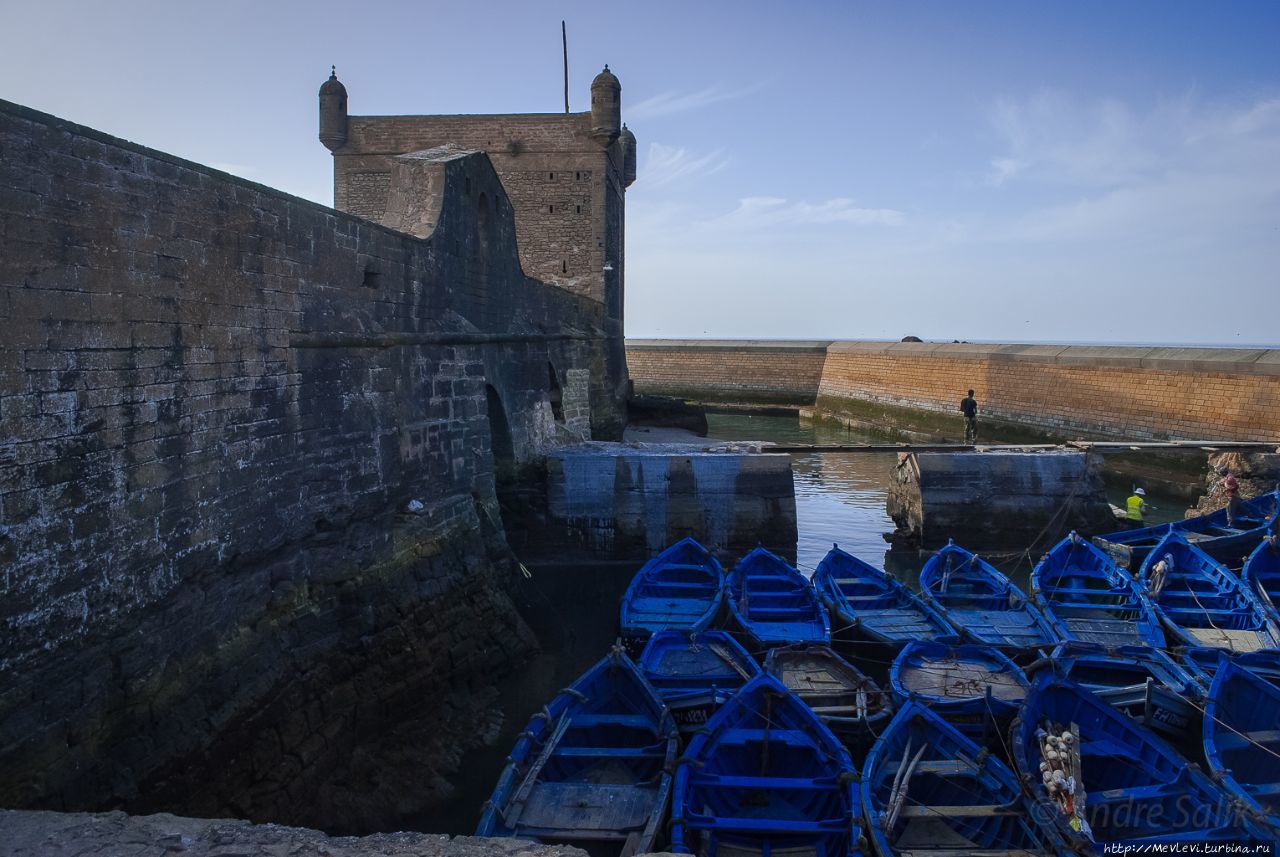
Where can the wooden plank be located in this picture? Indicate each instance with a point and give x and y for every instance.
(530, 778)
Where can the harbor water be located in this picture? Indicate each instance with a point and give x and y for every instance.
(573, 610)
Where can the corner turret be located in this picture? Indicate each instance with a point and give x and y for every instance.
(628, 142)
(333, 112)
(606, 107)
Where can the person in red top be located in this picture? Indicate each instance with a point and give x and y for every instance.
(1233, 497)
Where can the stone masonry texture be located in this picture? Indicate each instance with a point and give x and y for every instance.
(1136, 393)
(248, 445)
(566, 189)
(48, 834)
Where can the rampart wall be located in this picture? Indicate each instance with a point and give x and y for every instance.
(1140, 393)
(745, 371)
(247, 457)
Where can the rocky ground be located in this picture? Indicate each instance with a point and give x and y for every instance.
(114, 834)
(1257, 473)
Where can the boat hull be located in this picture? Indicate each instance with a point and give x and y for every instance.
(1136, 788)
(773, 604)
(681, 589)
(1202, 603)
(982, 603)
(849, 703)
(591, 768)
(870, 605)
(1090, 599)
(695, 675)
(976, 689)
(927, 787)
(765, 777)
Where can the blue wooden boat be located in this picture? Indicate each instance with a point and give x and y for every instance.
(1262, 574)
(765, 778)
(696, 673)
(1115, 781)
(977, 689)
(981, 602)
(1211, 533)
(929, 790)
(773, 604)
(1202, 602)
(869, 604)
(1242, 739)
(1202, 664)
(680, 589)
(591, 767)
(846, 700)
(1090, 599)
(1144, 683)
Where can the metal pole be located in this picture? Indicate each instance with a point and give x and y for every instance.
(564, 41)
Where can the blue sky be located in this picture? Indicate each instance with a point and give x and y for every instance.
(980, 171)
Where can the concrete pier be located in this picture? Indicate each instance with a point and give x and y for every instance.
(997, 500)
(616, 502)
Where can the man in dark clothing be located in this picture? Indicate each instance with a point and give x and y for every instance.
(969, 407)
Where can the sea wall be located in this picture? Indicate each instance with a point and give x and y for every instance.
(733, 371)
(1139, 393)
(248, 448)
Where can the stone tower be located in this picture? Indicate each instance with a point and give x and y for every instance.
(565, 174)
(333, 112)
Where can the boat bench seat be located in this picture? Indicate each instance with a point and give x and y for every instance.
(637, 720)
(1229, 740)
(764, 825)
(754, 610)
(612, 752)
(818, 784)
(708, 585)
(1262, 789)
(963, 811)
(780, 736)
(1086, 590)
(1198, 611)
(940, 766)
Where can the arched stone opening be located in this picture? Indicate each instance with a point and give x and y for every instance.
(499, 434)
(555, 393)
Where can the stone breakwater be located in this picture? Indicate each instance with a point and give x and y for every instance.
(114, 834)
(1134, 393)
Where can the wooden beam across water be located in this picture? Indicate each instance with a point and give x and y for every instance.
(1087, 445)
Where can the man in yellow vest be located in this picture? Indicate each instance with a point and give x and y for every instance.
(1136, 508)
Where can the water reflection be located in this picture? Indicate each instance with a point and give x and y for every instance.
(573, 610)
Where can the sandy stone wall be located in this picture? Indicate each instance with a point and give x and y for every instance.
(1108, 391)
(1135, 393)
(247, 458)
(748, 371)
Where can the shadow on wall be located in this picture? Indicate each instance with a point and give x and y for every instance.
(500, 436)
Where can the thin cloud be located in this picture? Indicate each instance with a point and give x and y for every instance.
(1105, 169)
(673, 101)
(765, 211)
(667, 164)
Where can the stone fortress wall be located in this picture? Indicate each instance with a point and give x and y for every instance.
(248, 448)
(565, 175)
(1136, 393)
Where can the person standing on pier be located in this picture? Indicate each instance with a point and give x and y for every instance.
(969, 407)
